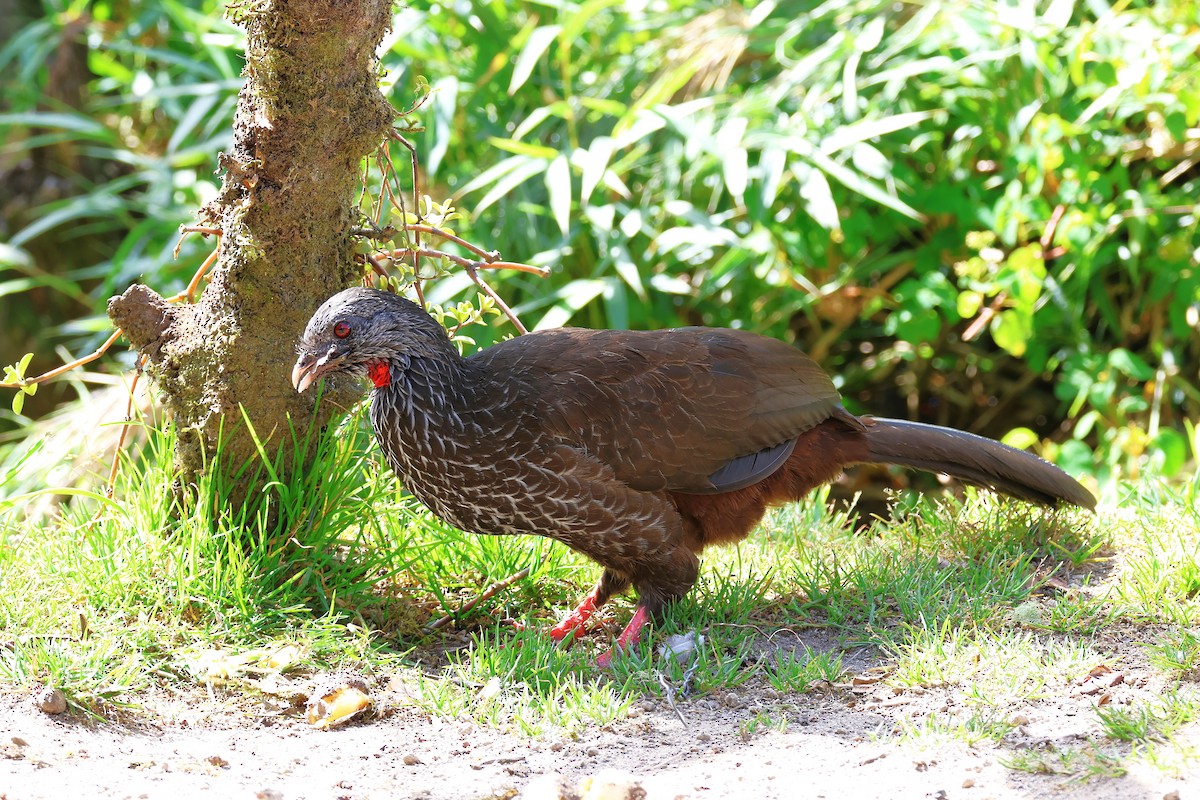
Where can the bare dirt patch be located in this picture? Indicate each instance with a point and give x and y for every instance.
(835, 742)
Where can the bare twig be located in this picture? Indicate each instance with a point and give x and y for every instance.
(1052, 227)
(79, 362)
(985, 316)
(203, 230)
(415, 160)
(472, 264)
(189, 294)
(112, 473)
(499, 301)
(389, 233)
(669, 695)
(489, 592)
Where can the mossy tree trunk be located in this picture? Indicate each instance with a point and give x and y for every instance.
(309, 112)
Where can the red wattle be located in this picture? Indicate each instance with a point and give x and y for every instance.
(379, 373)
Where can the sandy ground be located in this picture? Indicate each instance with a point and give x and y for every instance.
(837, 743)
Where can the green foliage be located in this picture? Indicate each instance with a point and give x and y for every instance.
(851, 173)
(873, 181)
(112, 118)
(15, 374)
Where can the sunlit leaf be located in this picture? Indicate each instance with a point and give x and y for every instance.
(1131, 364)
(1010, 332)
(558, 184)
(535, 47)
(1020, 438)
(594, 161)
(818, 199)
(569, 299)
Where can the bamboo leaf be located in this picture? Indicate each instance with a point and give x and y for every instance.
(558, 184)
(535, 47)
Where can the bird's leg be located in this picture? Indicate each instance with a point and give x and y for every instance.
(610, 583)
(667, 581)
(630, 636)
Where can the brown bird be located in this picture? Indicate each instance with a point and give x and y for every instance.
(636, 448)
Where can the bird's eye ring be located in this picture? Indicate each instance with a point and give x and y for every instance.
(341, 329)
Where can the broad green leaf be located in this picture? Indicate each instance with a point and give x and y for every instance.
(101, 206)
(1010, 332)
(493, 174)
(1169, 451)
(772, 162)
(667, 84)
(1130, 364)
(627, 269)
(968, 303)
(642, 124)
(1020, 438)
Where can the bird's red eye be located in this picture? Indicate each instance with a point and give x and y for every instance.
(341, 329)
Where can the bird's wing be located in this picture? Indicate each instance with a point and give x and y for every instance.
(692, 409)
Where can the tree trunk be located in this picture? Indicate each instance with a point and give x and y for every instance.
(309, 112)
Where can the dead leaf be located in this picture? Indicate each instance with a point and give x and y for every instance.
(339, 705)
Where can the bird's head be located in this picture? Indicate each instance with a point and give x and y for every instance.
(361, 333)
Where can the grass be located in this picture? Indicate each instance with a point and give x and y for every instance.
(973, 617)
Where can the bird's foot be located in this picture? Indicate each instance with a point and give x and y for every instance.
(627, 638)
(576, 621)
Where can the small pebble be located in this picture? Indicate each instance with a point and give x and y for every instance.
(50, 701)
(1171, 795)
(19, 742)
(702, 737)
(968, 783)
(411, 760)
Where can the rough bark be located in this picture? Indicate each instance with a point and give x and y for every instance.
(309, 112)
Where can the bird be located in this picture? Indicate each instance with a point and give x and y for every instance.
(638, 449)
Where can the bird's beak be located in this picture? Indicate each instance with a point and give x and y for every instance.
(310, 367)
(303, 374)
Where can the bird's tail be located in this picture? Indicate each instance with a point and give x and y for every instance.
(974, 459)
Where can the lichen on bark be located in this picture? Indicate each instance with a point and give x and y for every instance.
(309, 112)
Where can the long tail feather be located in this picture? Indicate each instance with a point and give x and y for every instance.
(974, 459)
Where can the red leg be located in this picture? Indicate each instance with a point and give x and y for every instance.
(576, 621)
(628, 638)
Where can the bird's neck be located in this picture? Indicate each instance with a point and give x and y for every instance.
(421, 390)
